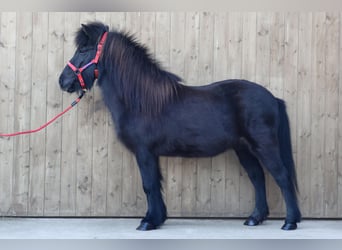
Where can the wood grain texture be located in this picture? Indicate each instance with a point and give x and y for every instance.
(22, 107)
(54, 106)
(7, 95)
(339, 171)
(78, 167)
(317, 117)
(330, 135)
(290, 74)
(304, 90)
(38, 114)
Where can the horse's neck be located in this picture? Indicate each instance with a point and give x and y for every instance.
(112, 100)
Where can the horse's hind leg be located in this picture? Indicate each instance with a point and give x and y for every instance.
(151, 178)
(269, 156)
(257, 177)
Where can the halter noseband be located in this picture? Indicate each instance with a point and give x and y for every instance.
(78, 71)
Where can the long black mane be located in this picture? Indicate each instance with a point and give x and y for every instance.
(144, 85)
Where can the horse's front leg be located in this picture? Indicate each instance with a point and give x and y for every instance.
(151, 179)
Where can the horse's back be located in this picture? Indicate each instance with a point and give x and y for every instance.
(234, 107)
(240, 98)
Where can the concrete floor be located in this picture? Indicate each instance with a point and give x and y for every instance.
(28, 228)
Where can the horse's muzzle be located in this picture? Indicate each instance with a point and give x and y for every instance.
(68, 86)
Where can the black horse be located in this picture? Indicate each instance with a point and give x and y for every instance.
(155, 115)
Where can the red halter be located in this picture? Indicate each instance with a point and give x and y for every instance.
(78, 71)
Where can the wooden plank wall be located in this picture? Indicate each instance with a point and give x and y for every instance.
(77, 167)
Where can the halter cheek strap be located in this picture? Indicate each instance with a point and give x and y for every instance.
(95, 60)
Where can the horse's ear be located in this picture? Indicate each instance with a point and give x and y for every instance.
(107, 27)
(85, 29)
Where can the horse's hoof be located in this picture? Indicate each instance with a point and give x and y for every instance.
(145, 226)
(289, 226)
(251, 221)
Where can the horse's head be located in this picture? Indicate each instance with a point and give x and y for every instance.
(81, 71)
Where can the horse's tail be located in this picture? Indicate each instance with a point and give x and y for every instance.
(284, 137)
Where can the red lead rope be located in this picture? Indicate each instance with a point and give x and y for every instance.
(46, 124)
(78, 72)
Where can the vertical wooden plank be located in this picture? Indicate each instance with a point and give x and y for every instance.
(317, 117)
(162, 52)
(304, 109)
(147, 30)
(234, 70)
(130, 172)
(100, 147)
(69, 127)
(162, 43)
(22, 110)
(290, 75)
(84, 145)
(263, 49)
(234, 45)
(7, 83)
(191, 47)
(177, 65)
(340, 126)
(115, 148)
(117, 21)
(220, 65)
(249, 29)
(54, 106)
(331, 110)
(249, 33)
(205, 76)
(277, 37)
(189, 180)
(38, 113)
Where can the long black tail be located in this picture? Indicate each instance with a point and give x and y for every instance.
(285, 142)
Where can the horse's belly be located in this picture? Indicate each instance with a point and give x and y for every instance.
(195, 148)
(194, 152)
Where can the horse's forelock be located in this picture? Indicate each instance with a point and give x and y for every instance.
(89, 34)
(81, 38)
